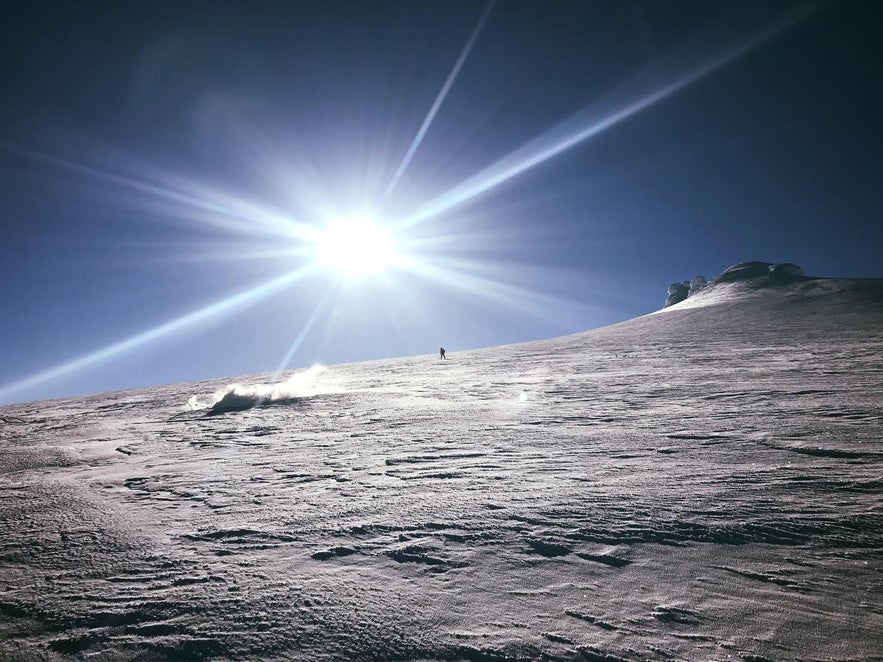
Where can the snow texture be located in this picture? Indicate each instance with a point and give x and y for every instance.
(703, 483)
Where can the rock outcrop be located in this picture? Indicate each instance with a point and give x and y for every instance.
(677, 292)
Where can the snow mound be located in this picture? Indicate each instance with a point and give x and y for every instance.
(749, 270)
(237, 397)
(754, 274)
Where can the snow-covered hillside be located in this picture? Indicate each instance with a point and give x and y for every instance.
(702, 483)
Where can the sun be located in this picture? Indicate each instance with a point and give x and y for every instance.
(356, 247)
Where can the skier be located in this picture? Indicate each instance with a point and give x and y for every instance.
(441, 352)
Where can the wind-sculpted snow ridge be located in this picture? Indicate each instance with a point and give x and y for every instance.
(772, 281)
(750, 276)
(703, 484)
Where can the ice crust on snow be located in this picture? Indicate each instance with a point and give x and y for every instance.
(699, 484)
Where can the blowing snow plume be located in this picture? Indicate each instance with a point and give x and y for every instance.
(237, 397)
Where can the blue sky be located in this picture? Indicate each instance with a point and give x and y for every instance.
(543, 168)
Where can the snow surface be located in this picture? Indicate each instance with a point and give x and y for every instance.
(705, 483)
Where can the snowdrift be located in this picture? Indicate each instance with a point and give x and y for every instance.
(702, 483)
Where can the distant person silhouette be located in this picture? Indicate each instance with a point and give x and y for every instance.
(441, 352)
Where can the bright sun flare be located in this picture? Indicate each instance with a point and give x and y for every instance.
(356, 247)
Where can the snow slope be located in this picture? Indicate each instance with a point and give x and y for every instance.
(702, 483)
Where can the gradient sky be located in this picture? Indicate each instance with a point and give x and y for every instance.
(547, 167)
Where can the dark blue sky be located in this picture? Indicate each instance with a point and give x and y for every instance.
(585, 155)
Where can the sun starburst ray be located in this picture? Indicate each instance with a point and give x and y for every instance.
(464, 276)
(187, 200)
(627, 101)
(226, 306)
(430, 116)
(234, 254)
(304, 332)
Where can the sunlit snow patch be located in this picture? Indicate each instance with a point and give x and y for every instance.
(237, 397)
